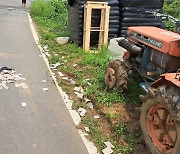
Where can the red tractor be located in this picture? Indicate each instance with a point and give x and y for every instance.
(153, 54)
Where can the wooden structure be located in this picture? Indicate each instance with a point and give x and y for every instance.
(104, 23)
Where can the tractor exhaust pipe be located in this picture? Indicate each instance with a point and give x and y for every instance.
(129, 46)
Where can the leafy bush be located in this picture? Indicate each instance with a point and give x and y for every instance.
(172, 7)
(52, 14)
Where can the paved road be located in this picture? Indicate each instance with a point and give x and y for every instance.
(44, 126)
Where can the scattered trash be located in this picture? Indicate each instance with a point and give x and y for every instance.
(47, 54)
(87, 100)
(23, 104)
(60, 74)
(87, 129)
(54, 66)
(45, 47)
(90, 105)
(65, 78)
(87, 79)
(107, 150)
(65, 61)
(79, 89)
(7, 76)
(96, 117)
(40, 55)
(79, 95)
(62, 57)
(74, 65)
(72, 81)
(17, 77)
(62, 40)
(81, 112)
(88, 82)
(108, 144)
(45, 89)
(44, 81)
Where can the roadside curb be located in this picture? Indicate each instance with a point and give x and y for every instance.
(75, 116)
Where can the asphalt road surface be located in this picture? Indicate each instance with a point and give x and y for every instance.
(44, 125)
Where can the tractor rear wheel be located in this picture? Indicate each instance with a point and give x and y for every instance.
(116, 76)
(160, 129)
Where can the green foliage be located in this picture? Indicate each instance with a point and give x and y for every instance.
(172, 7)
(54, 59)
(95, 132)
(40, 8)
(133, 92)
(51, 14)
(121, 131)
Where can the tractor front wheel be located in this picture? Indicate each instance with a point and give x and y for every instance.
(160, 129)
(116, 76)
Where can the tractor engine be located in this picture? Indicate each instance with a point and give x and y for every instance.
(152, 51)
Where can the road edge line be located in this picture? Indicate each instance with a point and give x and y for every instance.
(89, 145)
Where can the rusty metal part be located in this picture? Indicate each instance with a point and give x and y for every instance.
(161, 128)
(167, 79)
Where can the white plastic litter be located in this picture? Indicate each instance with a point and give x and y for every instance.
(23, 104)
(45, 89)
(82, 112)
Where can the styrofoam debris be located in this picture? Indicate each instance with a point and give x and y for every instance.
(79, 95)
(65, 78)
(108, 144)
(62, 40)
(23, 104)
(82, 112)
(7, 76)
(47, 54)
(65, 61)
(40, 55)
(60, 74)
(45, 47)
(107, 150)
(79, 89)
(45, 89)
(54, 66)
(87, 129)
(74, 65)
(87, 100)
(96, 117)
(72, 81)
(90, 105)
(89, 83)
(62, 57)
(44, 81)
